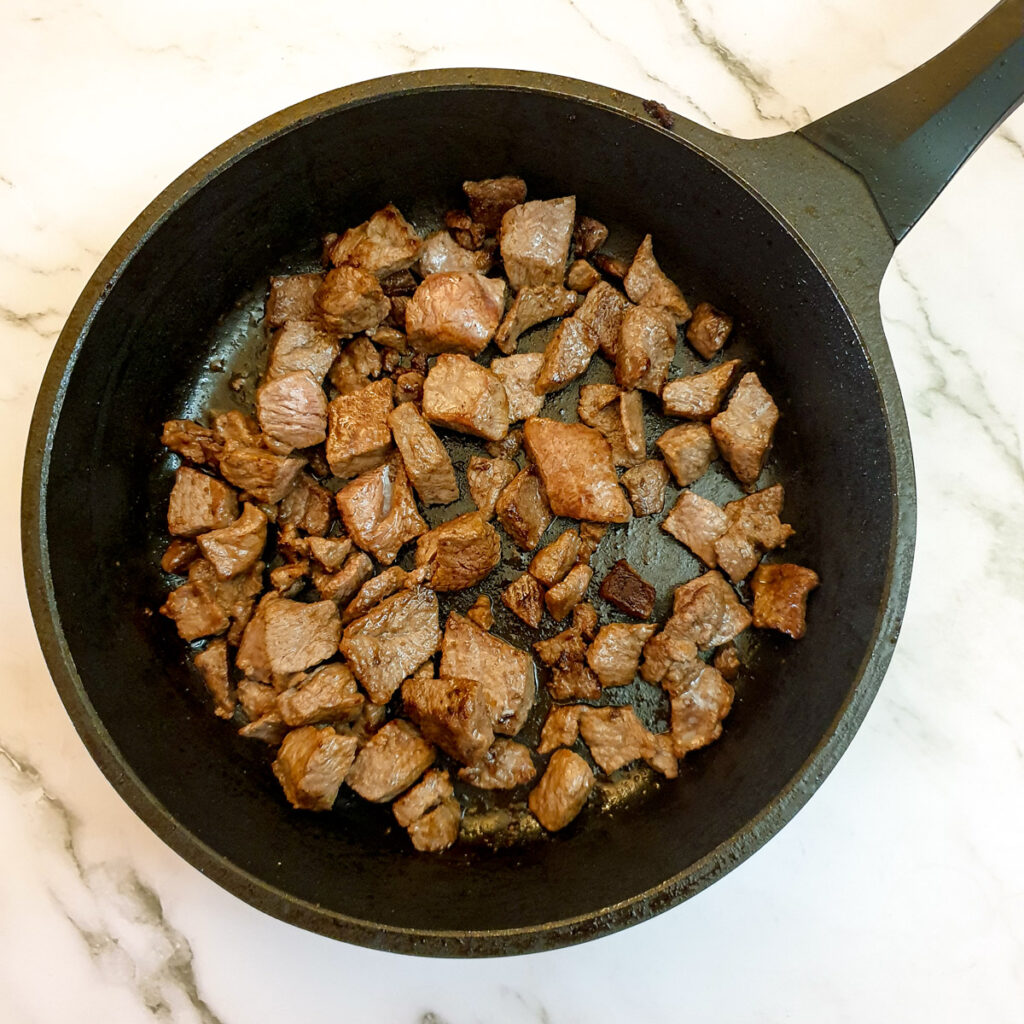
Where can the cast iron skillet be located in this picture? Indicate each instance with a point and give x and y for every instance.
(792, 234)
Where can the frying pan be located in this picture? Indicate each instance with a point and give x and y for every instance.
(791, 234)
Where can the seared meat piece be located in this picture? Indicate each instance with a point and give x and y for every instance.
(379, 510)
(359, 438)
(492, 198)
(293, 410)
(460, 552)
(480, 612)
(584, 620)
(291, 298)
(191, 441)
(451, 713)
(744, 430)
(236, 548)
(506, 764)
(564, 596)
(708, 611)
(378, 587)
(288, 636)
(390, 762)
(562, 790)
(289, 579)
(462, 395)
(700, 701)
(535, 240)
(466, 231)
(261, 473)
(207, 605)
(631, 410)
(524, 597)
(594, 401)
(588, 236)
(257, 699)
(581, 276)
(780, 597)
(401, 282)
(392, 640)
(554, 560)
(522, 509)
(575, 466)
(530, 307)
(199, 503)
(567, 355)
(455, 312)
(645, 484)
(669, 648)
(709, 330)
(267, 729)
(487, 479)
(341, 585)
(624, 588)
(392, 341)
(179, 555)
(327, 694)
(600, 406)
(571, 677)
(697, 523)
(369, 720)
(409, 387)
(383, 245)
(647, 285)
(213, 666)
(611, 265)
(645, 349)
(602, 312)
(301, 345)
(615, 736)
(307, 506)
(615, 653)
(507, 447)
(236, 426)
(351, 300)
(358, 362)
(699, 396)
(518, 375)
(441, 254)
(506, 673)
(727, 661)
(754, 529)
(561, 727)
(438, 829)
(426, 460)
(330, 552)
(312, 764)
(434, 788)
(689, 450)
(591, 535)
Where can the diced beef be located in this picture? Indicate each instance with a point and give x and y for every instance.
(744, 430)
(327, 694)
(330, 552)
(462, 395)
(467, 232)
(288, 636)
(562, 790)
(409, 387)
(727, 661)
(392, 341)
(700, 701)
(602, 312)
(561, 727)
(647, 285)
(581, 276)
(209, 606)
(312, 764)
(291, 298)
(507, 447)
(600, 406)
(490, 199)
(554, 560)
(535, 239)
(378, 587)
(392, 640)
(615, 653)
(697, 523)
(571, 677)
(631, 410)
(340, 586)
(460, 552)
(624, 588)
(567, 355)
(199, 503)
(368, 722)
(564, 596)
(754, 529)
(667, 648)
(575, 466)
(293, 410)
(451, 713)
(455, 312)
(351, 300)
(179, 554)
(257, 699)
(615, 736)
(780, 597)
(591, 535)
(382, 245)
(708, 610)
(358, 361)
(505, 672)
(645, 349)
(709, 330)
(267, 729)
(518, 375)
(401, 282)
(301, 345)
(584, 620)
(523, 510)
(426, 460)
(234, 549)
(524, 597)
(258, 472)
(611, 265)
(191, 441)
(506, 764)
(688, 450)
(699, 396)
(530, 307)
(487, 478)
(438, 829)
(434, 788)
(588, 236)
(212, 663)
(236, 426)
(645, 485)
(358, 437)
(390, 762)
(289, 579)
(441, 254)
(379, 510)
(307, 506)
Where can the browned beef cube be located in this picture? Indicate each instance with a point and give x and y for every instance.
(330, 552)
(234, 549)
(212, 663)
(191, 441)
(359, 437)
(487, 478)
(393, 342)
(645, 485)
(584, 620)
(289, 579)
(518, 374)
(392, 640)
(600, 406)
(199, 503)
(754, 529)
(645, 349)
(236, 426)
(709, 330)
(506, 673)
(434, 788)
(535, 240)
(460, 552)
(611, 265)
(780, 597)
(382, 245)
(455, 312)
(562, 790)
(554, 560)
(708, 612)
(207, 605)
(700, 701)
(602, 312)
(492, 198)
(624, 588)
(383, 585)
(581, 276)
(744, 430)
(368, 722)
(327, 694)
(524, 597)
(180, 553)
(307, 506)
(699, 396)
(727, 661)
(530, 307)
(589, 235)
(340, 586)
(462, 395)
(301, 345)
(567, 355)
(261, 473)
(697, 523)
(506, 764)
(288, 636)
(312, 764)
(390, 762)
(615, 736)
(441, 254)
(523, 510)
(575, 466)
(647, 285)
(293, 410)
(451, 713)
(615, 653)
(571, 677)
(409, 387)
(291, 298)
(401, 282)
(631, 410)
(466, 231)
(688, 450)
(351, 300)
(426, 459)
(480, 612)
(257, 699)
(507, 447)
(438, 829)
(561, 727)
(667, 649)
(564, 596)
(358, 361)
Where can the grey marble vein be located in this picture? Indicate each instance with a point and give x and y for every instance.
(31, 321)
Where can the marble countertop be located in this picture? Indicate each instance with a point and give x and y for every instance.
(896, 894)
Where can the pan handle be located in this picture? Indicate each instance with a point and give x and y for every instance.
(908, 139)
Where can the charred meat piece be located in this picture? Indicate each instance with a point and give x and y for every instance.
(291, 298)
(506, 764)
(392, 640)
(330, 552)
(451, 713)
(523, 510)
(301, 345)
(487, 478)
(401, 282)
(213, 667)
(530, 307)
(624, 588)
(409, 387)
(480, 612)
(615, 736)
(554, 560)
(199, 503)
(327, 694)
(567, 355)
(438, 829)
(390, 762)
(780, 597)
(455, 312)
(535, 240)
(312, 764)
(441, 254)
(575, 466)
(688, 450)
(699, 396)
(647, 285)
(490, 199)
(179, 555)
(466, 231)
(700, 701)
(645, 349)
(561, 727)
(611, 265)
(193, 442)
(754, 529)
(564, 596)
(460, 552)
(258, 472)
(562, 790)
(581, 276)
(382, 245)
(307, 506)
(351, 300)
(234, 549)
(340, 586)
(524, 597)
(709, 330)
(615, 653)
(697, 523)
(293, 410)
(727, 661)
(714, 621)
(288, 636)
(571, 677)
(645, 485)
(378, 587)
(744, 430)
(462, 395)
(358, 436)
(602, 312)
(588, 236)
(426, 461)
(518, 375)
(434, 788)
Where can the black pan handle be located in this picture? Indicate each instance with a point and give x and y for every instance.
(908, 139)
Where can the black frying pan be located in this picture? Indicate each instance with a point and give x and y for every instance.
(791, 234)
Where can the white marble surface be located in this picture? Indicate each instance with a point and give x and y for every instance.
(896, 894)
